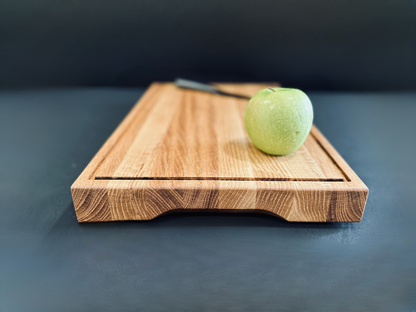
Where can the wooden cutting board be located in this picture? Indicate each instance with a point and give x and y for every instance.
(188, 150)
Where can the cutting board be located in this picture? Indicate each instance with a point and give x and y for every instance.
(186, 150)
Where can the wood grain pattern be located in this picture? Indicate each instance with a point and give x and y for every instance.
(183, 149)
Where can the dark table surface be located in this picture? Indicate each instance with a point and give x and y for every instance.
(192, 261)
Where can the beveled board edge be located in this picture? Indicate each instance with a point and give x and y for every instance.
(107, 200)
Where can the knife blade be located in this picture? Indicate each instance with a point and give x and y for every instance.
(194, 85)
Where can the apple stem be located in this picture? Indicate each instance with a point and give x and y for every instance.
(272, 89)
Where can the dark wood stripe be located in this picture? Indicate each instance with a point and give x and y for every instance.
(332, 213)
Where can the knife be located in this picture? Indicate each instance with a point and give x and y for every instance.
(194, 85)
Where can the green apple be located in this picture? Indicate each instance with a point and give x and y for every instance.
(278, 120)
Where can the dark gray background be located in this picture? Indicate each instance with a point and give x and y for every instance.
(200, 262)
(312, 45)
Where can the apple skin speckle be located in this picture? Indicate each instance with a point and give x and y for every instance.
(278, 121)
